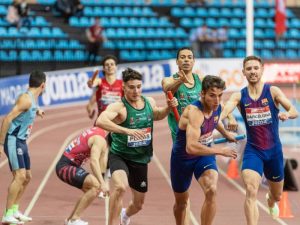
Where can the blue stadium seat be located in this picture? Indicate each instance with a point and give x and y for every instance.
(186, 22)
(36, 55)
(291, 54)
(213, 12)
(121, 33)
(228, 53)
(225, 12)
(266, 54)
(3, 32)
(294, 23)
(269, 43)
(25, 55)
(293, 44)
(212, 22)
(238, 12)
(13, 32)
(279, 53)
(46, 55)
(189, 12)
(198, 22)
(293, 33)
(3, 10)
(224, 22)
(261, 12)
(202, 12)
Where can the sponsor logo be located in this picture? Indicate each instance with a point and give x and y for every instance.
(19, 151)
(247, 104)
(264, 101)
(275, 177)
(216, 118)
(143, 184)
(207, 166)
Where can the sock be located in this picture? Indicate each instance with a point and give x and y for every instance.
(124, 214)
(15, 208)
(9, 212)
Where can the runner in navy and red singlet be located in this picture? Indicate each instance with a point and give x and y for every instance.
(259, 105)
(192, 153)
(90, 144)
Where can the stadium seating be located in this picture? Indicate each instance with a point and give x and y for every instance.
(144, 31)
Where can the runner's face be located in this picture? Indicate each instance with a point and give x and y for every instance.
(253, 71)
(110, 67)
(212, 98)
(185, 60)
(133, 90)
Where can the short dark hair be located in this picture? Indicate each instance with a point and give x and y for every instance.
(36, 78)
(184, 48)
(212, 81)
(252, 57)
(107, 57)
(131, 74)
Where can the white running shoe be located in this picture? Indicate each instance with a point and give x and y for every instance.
(125, 220)
(77, 222)
(274, 211)
(11, 220)
(18, 215)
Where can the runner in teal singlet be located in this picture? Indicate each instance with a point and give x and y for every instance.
(131, 124)
(15, 130)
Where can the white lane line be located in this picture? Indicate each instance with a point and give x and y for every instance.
(166, 176)
(52, 166)
(243, 191)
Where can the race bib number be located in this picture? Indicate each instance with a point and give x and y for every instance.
(109, 97)
(29, 129)
(206, 139)
(258, 116)
(134, 142)
(72, 145)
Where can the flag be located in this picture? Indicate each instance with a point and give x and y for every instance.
(280, 17)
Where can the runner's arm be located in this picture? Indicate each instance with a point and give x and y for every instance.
(281, 99)
(230, 105)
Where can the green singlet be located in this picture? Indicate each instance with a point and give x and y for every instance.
(128, 147)
(185, 96)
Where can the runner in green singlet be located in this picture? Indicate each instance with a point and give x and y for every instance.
(131, 124)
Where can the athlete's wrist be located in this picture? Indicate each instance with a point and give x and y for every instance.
(1, 143)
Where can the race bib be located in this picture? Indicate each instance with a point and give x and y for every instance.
(29, 129)
(109, 97)
(71, 146)
(258, 116)
(134, 142)
(206, 139)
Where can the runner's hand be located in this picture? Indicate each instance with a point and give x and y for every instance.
(104, 188)
(182, 76)
(139, 134)
(229, 152)
(283, 116)
(232, 124)
(172, 103)
(40, 113)
(90, 111)
(1, 149)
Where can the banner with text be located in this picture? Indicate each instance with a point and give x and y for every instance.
(67, 86)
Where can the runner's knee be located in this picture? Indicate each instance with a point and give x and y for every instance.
(120, 189)
(251, 191)
(210, 191)
(20, 178)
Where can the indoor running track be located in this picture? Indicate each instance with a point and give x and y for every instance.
(49, 201)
